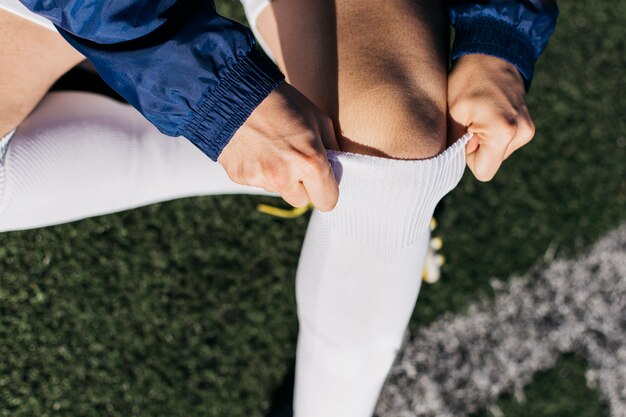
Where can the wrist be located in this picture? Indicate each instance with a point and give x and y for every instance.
(491, 37)
(481, 63)
(223, 110)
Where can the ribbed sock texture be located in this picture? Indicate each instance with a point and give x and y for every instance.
(80, 155)
(359, 276)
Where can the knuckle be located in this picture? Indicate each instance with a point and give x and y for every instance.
(507, 126)
(529, 130)
(256, 180)
(249, 177)
(509, 121)
(235, 177)
(307, 146)
(312, 164)
(276, 177)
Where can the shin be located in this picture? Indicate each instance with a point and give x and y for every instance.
(379, 70)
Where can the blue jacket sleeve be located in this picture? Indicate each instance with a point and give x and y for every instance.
(188, 70)
(514, 30)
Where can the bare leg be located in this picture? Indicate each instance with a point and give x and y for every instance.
(33, 58)
(377, 68)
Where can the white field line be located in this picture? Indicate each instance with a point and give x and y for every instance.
(463, 363)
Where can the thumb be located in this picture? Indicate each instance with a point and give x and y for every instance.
(472, 146)
(485, 160)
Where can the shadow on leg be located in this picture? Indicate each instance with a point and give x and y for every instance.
(378, 69)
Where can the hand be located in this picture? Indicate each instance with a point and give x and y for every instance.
(486, 97)
(281, 148)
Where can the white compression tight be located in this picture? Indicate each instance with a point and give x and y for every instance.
(80, 155)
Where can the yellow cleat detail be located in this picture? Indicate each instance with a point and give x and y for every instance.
(284, 213)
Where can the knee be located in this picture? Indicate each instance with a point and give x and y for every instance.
(387, 121)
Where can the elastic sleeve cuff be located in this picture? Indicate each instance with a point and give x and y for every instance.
(492, 37)
(223, 110)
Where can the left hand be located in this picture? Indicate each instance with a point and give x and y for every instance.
(486, 96)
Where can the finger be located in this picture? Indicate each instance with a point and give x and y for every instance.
(257, 179)
(525, 133)
(296, 195)
(471, 163)
(264, 185)
(472, 145)
(321, 185)
(494, 137)
(487, 159)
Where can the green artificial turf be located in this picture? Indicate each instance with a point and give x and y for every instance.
(566, 383)
(173, 310)
(562, 191)
(187, 308)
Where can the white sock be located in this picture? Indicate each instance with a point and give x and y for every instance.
(80, 155)
(359, 276)
(253, 9)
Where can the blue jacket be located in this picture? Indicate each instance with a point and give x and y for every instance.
(196, 74)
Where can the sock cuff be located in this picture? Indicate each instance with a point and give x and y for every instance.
(388, 203)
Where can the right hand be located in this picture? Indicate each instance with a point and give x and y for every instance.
(487, 97)
(281, 148)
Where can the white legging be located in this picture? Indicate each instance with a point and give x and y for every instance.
(80, 155)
